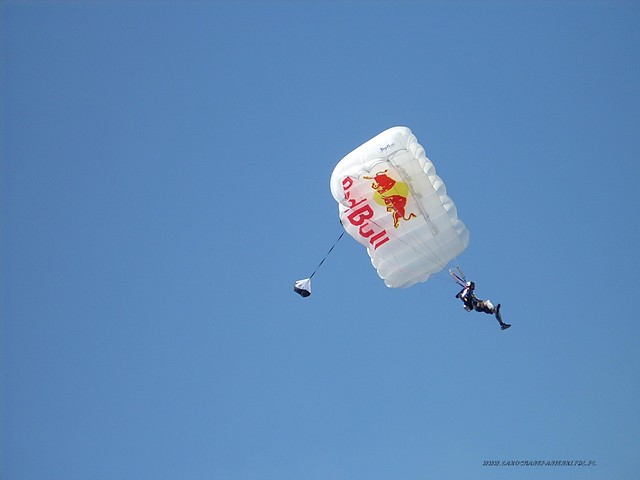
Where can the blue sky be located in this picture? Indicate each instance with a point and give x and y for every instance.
(165, 180)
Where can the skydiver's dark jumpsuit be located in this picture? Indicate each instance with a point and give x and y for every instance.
(471, 302)
(468, 298)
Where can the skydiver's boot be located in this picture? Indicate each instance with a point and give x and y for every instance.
(503, 325)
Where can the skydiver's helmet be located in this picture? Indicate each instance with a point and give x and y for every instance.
(470, 285)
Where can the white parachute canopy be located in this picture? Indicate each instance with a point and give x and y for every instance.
(392, 202)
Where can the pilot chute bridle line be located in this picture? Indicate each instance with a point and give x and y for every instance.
(327, 254)
(303, 287)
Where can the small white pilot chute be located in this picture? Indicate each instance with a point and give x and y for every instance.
(303, 287)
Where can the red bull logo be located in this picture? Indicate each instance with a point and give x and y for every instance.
(359, 214)
(389, 193)
(392, 195)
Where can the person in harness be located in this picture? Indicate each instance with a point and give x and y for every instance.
(471, 302)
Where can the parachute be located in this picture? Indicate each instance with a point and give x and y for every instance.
(392, 202)
(303, 287)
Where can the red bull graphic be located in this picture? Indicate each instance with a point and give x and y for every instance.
(392, 195)
(359, 214)
(389, 193)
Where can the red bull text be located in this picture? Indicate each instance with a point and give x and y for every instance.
(359, 213)
(389, 193)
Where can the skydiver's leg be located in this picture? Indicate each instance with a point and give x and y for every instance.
(503, 325)
(489, 308)
(484, 306)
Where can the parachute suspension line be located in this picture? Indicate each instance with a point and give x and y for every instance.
(458, 276)
(327, 254)
(461, 273)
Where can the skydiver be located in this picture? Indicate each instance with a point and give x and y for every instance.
(471, 302)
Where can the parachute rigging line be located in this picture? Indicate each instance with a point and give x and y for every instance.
(303, 287)
(325, 257)
(459, 277)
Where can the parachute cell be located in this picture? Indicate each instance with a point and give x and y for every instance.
(392, 202)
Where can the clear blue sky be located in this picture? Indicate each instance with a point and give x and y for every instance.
(165, 180)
